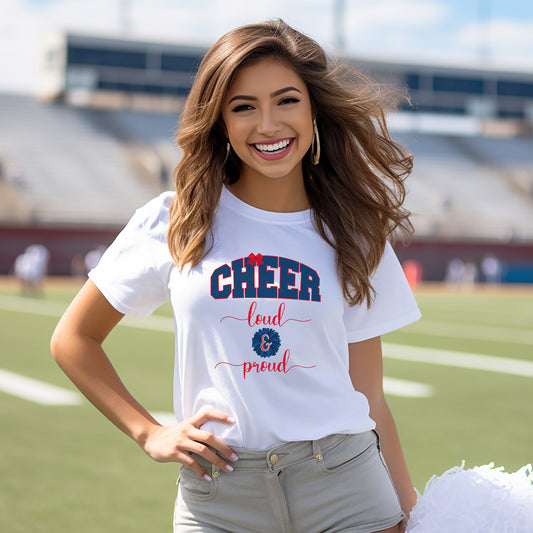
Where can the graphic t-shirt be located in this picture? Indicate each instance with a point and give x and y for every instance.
(261, 325)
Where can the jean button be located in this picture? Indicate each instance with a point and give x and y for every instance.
(274, 458)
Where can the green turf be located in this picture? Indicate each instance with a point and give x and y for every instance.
(66, 469)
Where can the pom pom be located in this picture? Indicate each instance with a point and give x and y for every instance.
(266, 342)
(482, 499)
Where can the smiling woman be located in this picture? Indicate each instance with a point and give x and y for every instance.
(268, 120)
(273, 251)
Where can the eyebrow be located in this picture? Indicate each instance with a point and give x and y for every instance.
(273, 95)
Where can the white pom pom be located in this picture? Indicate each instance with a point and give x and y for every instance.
(482, 499)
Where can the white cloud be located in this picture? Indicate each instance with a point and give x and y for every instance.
(502, 34)
(19, 45)
(503, 43)
(388, 27)
(378, 14)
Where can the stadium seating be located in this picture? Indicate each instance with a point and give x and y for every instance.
(71, 166)
(464, 186)
(85, 166)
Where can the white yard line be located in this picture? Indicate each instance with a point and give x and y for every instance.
(35, 306)
(153, 322)
(165, 418)
(31, 306)
(36, 391)
(489, 363)
(474, 331)
(46, 394)
(407, 389)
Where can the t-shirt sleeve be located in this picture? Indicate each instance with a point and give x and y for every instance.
(133, 272)
(393, 307)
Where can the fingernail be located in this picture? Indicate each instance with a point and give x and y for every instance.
(229, 468)
(207, 478)
(231, 420)
(234, 457)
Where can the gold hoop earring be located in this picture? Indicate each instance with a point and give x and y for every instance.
(315, 146)
(228, 149)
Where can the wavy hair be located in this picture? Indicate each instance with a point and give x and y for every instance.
(357, 190)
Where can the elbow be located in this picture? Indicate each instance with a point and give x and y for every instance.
(59, 344)
(55, 344)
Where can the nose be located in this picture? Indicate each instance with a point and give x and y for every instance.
(268, 125)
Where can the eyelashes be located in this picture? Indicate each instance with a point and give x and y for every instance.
(284, 101)
(289, 100)
(242, 107)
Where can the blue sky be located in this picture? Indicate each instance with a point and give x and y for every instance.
(494, 33)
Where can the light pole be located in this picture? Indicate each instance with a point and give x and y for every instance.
(339, 13)
(124, 7)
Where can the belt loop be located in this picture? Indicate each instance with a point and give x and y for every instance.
(317, 452)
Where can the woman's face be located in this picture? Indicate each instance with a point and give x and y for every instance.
(268, 120)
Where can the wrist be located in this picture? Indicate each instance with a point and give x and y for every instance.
(143, 430)
(408, 500)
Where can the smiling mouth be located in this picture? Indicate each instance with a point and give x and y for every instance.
(272, 148)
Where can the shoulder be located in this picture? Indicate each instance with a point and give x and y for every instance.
(154, 215)
(157, 207)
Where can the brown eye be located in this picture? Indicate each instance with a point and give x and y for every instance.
(242, 107)
(289, 100)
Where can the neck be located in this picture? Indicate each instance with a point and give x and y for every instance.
(279, 195)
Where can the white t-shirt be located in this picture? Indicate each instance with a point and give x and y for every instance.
(262, 328)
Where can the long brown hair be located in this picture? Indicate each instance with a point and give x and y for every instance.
(356, 191)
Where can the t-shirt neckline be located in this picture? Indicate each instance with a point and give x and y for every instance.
(229, 200)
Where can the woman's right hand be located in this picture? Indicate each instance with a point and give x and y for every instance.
(176, 443)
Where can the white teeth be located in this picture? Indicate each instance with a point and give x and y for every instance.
(270, 148)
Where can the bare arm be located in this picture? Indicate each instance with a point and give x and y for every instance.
(366, 372)
(77, 348)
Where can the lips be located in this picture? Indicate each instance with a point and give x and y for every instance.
(274, 149)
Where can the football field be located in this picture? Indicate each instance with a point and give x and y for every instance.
(459, 382)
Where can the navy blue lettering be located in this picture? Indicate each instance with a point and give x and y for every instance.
(242, 280)
(266, 277)
(243, 277)
(217, 291)
(309, 285)
(287, 278)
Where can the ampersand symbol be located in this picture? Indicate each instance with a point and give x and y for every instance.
(265, 346)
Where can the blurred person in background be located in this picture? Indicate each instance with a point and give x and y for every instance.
(92, 257)
(274, 252)
(491, 268)
(31, 268)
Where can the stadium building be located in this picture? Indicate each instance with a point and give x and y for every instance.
(97, 141)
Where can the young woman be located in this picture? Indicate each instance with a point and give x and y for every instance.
(273, 250)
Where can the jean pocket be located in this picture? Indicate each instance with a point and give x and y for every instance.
(194, 487)
(350, 451)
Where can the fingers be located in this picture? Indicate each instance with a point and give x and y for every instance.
(209, 455)
(208, 438)
(178, 442)
(206, 415)
(191, 463)
(211, 441)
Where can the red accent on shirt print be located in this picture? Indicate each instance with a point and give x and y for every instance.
(255, 319)
(266, 366)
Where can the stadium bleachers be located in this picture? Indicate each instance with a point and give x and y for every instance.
(68, 165)
(464, 186)
(95, 166)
